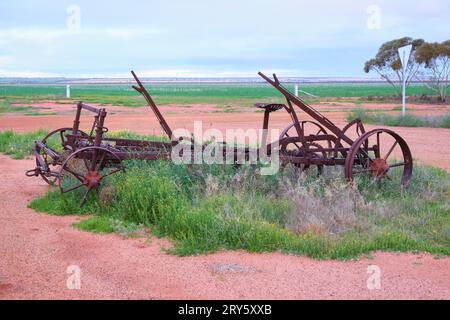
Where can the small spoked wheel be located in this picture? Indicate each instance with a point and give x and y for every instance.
(86, 169)
(381, 154)
(62, 138)
(310, 127)
(53, 158)
(300, 152)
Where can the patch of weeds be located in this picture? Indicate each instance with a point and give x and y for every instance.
(407, 120)
(20, 145)
(103, 224)
(7, 107)
(227, 109)
(40, 113)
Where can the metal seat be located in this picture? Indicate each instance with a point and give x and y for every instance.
(269, 106)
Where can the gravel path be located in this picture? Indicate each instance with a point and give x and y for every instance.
(36, 250)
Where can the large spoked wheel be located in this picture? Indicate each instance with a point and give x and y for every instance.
(382, 154)
(86, 169)
(53, 158)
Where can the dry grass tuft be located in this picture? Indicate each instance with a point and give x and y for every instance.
(329, 209)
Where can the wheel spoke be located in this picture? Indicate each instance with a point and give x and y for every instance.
(72, 188)
(93, 160)
(76, 175)
(86, 164)
(101, 162)
(390, 150)
(362, 171)
(298, 147)
(83, 200)
(366, 154)
(112, 172)
(378, 144)
(61, 133)
(397, 164)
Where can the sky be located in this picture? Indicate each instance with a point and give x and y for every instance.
(172, 38)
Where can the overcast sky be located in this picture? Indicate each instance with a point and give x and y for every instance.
(207, 38)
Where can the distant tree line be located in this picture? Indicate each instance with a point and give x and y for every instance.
(428, 63)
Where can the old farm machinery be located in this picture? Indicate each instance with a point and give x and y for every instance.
(84, 160)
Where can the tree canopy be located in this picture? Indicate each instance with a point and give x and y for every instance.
(435, 58)
(387, 62)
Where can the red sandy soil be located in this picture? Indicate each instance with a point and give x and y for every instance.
(36, 249)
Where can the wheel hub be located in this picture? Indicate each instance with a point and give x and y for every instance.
(379, 167)
(92, 179)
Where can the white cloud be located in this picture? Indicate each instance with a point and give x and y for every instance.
(26, 74)
(200, 72)
(49, 34)
(5, 59)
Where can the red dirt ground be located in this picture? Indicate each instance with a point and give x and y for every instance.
(36, 250)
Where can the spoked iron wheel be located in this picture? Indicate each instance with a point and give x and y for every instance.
(86, 169)
(53, 159)
(382, 154)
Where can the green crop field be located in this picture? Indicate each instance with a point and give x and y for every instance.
(185, 93)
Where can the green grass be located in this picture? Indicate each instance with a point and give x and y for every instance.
(103, 224)
(124, 134)
(36, 113)
(244, 94)
(6, 107)
(20, 145)
(397, 120)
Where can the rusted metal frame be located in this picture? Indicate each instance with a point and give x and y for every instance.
(40, 160)
(265, 127)
(294, 118)
(141, 89)
(99, 130)
(306, 108)
(133, 142)
(312, 161)
(47, 149)
(84, 106)
(143, 155)
(76, 122)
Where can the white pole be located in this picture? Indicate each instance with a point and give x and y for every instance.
(404, 84)
(404, 53)
(68, 91)
(296, 89)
